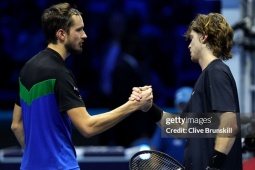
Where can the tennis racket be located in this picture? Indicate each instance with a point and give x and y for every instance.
(153, 160)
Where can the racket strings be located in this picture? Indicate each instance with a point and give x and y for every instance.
(153, 161)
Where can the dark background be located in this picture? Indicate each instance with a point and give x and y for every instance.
(150, 31)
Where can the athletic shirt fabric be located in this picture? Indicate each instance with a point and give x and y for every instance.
(47, 90)
(214, 91)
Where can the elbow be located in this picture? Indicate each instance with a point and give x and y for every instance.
(235, 129)
(14, 127)
(87, 132)
(17, 126)
(88, 129)
(87, 135)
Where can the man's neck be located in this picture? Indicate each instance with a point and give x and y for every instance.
(207, 58)
(60, 49)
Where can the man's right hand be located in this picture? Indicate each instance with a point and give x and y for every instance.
(144, 96)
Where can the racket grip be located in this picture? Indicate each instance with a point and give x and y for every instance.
(154, 113)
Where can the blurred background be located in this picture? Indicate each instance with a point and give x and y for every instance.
(130, 43)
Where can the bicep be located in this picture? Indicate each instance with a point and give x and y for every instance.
(228, 119)
(17, 114)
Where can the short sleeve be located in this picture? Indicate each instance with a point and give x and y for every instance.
(17, 100)
(220, 91)
(67, 93)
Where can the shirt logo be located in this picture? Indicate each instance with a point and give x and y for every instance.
(77, 91)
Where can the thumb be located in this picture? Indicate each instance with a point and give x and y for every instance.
(145, 87)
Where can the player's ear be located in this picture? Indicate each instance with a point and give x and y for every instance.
(204, 38)
(61, 34)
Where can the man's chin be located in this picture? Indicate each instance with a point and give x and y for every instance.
(194, 60)
(76, 51)
(79, 52)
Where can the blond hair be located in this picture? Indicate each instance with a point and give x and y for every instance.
(219, 32)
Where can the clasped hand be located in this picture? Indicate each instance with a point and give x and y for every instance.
(142, 95)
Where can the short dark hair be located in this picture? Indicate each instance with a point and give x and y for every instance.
(57, 17)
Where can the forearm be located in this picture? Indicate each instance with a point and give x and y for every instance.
(17, 125)
(19, 133)
(164, 122)
(89, 125)
(92, 125)
(167, 125)
(101, 122)
(224, 144)
(221, 149)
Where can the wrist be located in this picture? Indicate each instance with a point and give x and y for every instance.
(154, 113)
(217, 160)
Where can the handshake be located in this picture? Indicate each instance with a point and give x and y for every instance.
(142, 99)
